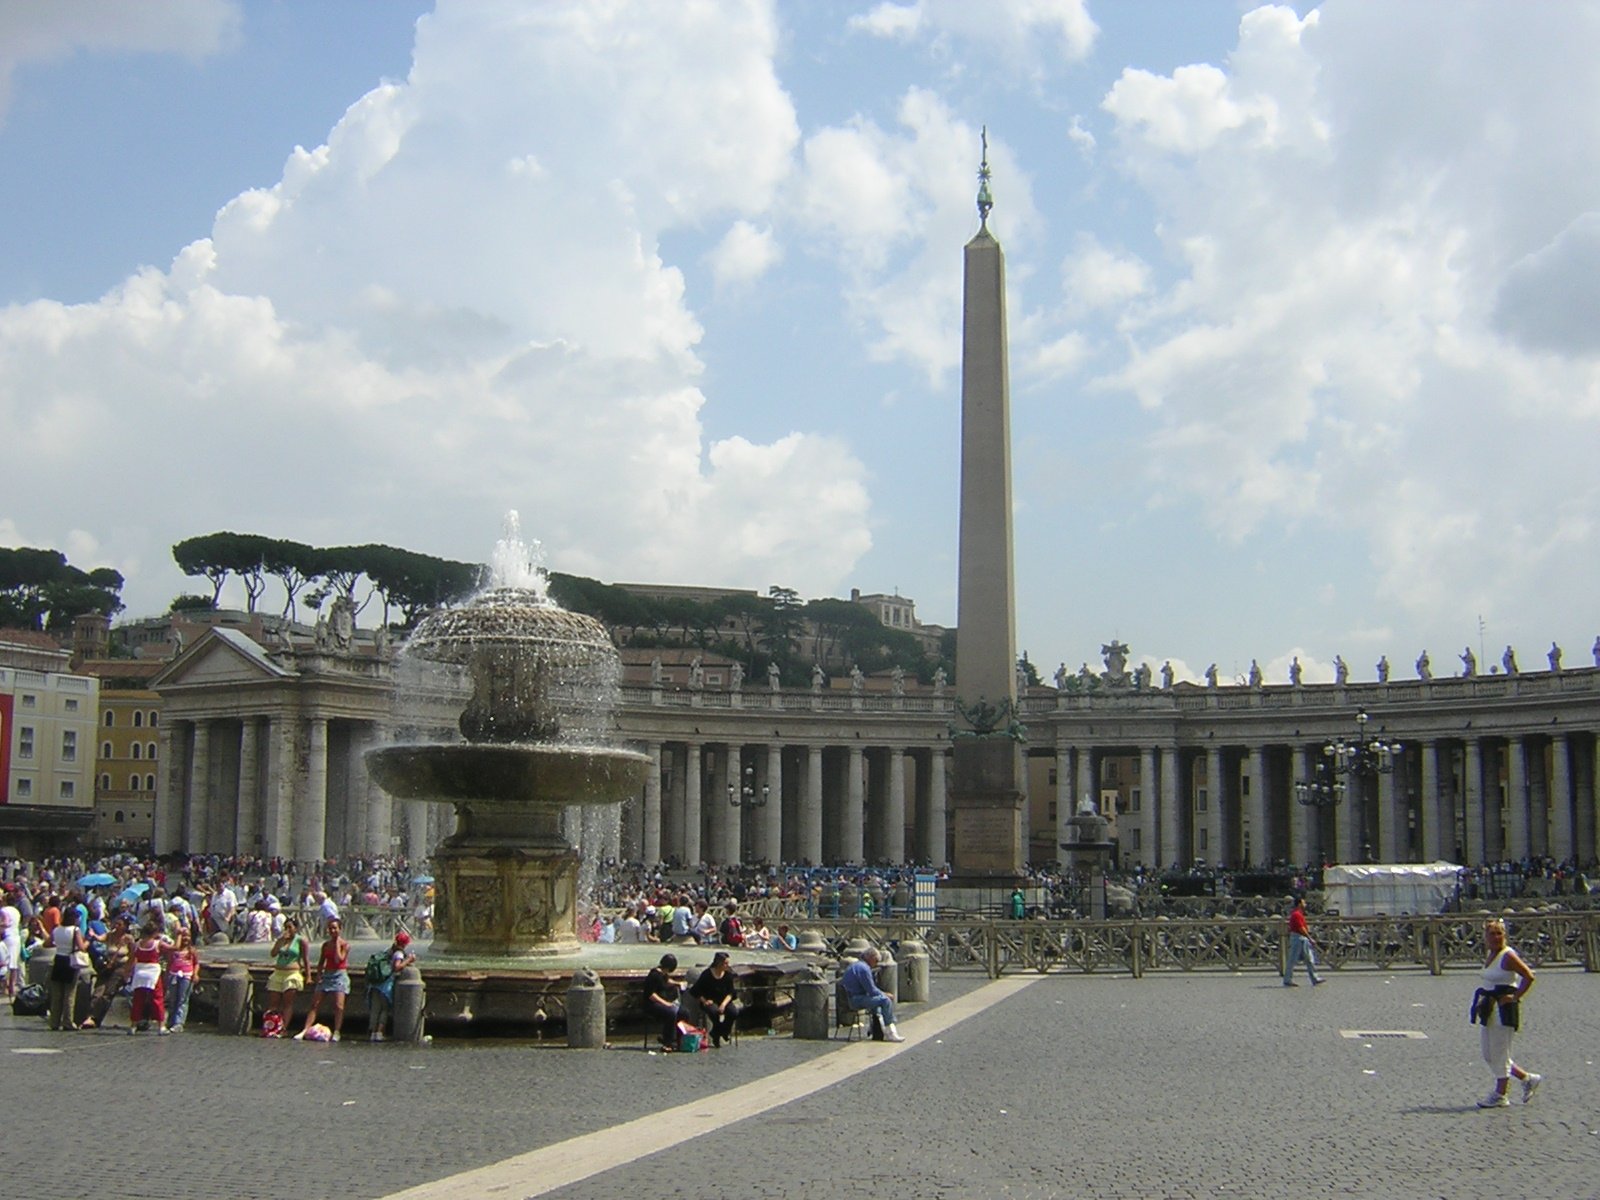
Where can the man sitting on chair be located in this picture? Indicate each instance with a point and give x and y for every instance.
(863, 993)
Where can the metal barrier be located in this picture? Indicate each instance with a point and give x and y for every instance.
(1433, 943)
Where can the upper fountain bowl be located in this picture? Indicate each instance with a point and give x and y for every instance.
(538, 673)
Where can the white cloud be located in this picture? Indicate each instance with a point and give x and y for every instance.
(44, 33)
(1324, 333)
(1017, 30)
(744, 254)
(449, 310)
(1094, 276)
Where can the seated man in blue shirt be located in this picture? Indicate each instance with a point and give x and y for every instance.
(863, 993)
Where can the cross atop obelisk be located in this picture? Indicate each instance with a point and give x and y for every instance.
(986, 794)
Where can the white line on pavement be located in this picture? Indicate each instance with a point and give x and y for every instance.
(542, 1171)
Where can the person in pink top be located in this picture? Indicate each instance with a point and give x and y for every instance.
(148, 1005)
(183, 967)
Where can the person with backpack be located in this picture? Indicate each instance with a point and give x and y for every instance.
(381, 970)
(731, 931)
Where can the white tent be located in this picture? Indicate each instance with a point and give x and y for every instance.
(1392, 889)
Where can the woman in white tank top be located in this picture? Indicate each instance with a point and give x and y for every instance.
(1497, 1007)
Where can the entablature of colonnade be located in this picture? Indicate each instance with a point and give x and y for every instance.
(798, 717)
(1471, 707)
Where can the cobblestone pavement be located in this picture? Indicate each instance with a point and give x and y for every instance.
(1169, 1086)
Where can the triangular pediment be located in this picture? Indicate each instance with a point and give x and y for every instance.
(220, 656)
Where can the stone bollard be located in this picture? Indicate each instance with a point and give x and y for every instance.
(888, 975)
(233, 1000)
(586, 1011)
(219, 938)
(410, 997)
(857, 946)
(810, 941)
(811, 1006)
(914, 981)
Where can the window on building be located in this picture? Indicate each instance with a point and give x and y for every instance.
(29, 700)
(69, 789)
(71, 705)
(1138, 766)
(1136, 833)
(105, 749)
(69, 745)
(133, 782)
(105, 783)
(149, 783)
(1052, 777)
(25, 742)
(149, 749)
(155, 718)
(1133, 800)
(138, 719)
(1111, 771)
(118, 817)
(110, 718)
(1204, 840)
(1244, 786)
(24, 789)
(1200, 799)
(1052, 817)
(138, 750)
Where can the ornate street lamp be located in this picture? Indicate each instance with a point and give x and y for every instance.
(748, 795)
(1345, 759)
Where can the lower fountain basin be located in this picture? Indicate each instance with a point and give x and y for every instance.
(555, 775)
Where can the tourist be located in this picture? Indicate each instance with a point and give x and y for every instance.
(783, 939)
(1300, 945)
(864, 995)
(683, 920)
(258, 925)
(714, 989)
(290, 966)
(10, 943)
(183, 965)
(731, 931)
(1497, 1007)
(704, 930)
(661, 996)
(116, 965)
(148, 999)
(629, 931)
(332, 979)
(759, 938)
(380, 995)
(69, 945)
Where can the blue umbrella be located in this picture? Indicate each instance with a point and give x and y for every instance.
(422, 879)
(132, 892)
(97, 879)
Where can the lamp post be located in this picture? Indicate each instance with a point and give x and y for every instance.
(747, 795)
(1346, 763)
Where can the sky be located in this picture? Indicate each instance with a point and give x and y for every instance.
(1305, 357)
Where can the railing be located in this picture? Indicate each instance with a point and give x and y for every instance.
(1433, 943)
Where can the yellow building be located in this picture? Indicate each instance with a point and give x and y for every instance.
(47, 726)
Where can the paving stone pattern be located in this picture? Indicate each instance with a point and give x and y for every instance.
(1171, 1086)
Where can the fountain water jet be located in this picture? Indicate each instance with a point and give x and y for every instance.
(537, 730)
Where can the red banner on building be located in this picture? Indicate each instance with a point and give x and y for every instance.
(5, 748)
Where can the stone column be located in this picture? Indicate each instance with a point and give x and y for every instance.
(772, 814)
(1560, 799)
(1087, 782)
(311, 817)
(894, 848)
(419, 838)
(852, 832)
(169, 822)
(1215, 853)
(1066, 774)
(1148, 808)
(732, 819)
(1301, 816)
(197, 812)
(1516, 800)
(810, 812)
(691, 805)
(1429, 806)
(1472, 800)
(1255, 808)
(934, 848)
(1589, 795)
(1347, 820)
(1171, 815)
(223, 788)
(247, 810)
(277, 824)
(650, 850)
(1389, 816)
(380, 808)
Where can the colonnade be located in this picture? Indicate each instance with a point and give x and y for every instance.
(286, 786)
(796, 802)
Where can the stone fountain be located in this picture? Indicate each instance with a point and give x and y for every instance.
(536, 730)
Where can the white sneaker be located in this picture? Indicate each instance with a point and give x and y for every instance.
(1495, 1100)
(1530, 1085)
(891, 1034)
(335, 1037)
(301, 1036)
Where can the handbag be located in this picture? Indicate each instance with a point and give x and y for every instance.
(80, 960)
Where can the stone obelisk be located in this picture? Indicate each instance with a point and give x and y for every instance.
(985, 791)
